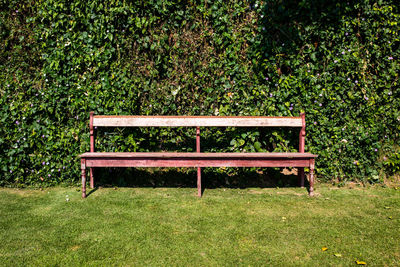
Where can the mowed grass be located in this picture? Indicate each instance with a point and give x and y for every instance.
(227, 227)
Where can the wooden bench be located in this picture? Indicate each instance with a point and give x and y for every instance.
(197, 159)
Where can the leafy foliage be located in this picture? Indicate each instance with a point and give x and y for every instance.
(393, 162)
(338, 62)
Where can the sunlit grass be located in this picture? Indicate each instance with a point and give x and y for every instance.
(171, 226)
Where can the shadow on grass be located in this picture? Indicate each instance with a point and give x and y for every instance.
(187, 177)
(92, 191)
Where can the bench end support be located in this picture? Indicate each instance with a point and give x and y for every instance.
(91, 147)
(302, 136)
(301, 177)
(198, 169)
(312, 167)
(83, 170)
(199, 193)
(91, 178)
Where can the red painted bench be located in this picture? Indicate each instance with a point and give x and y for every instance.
(197, 159)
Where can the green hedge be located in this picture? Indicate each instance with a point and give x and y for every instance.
(336, 61)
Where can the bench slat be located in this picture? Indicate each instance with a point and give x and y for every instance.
(193, 121)
(193, 162)
(194, 155)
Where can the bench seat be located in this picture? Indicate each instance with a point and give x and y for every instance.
(194, 159)
(197, 155)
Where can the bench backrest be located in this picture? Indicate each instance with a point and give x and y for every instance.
(197, 121)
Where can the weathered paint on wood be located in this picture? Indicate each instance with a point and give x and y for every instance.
(199, 191)
(83, 173)
(91, 147)
(197, 155)
(199, 121)
(198, 159)
(312, 167)
(301, 176)
(302, 136)
(196, 162)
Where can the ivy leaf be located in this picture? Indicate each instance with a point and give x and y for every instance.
(257, 146)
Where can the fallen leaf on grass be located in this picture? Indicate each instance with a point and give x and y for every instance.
(390, 217)
(361, 263)
(387, 208)
(74, 248)
(337, 255)
(324, 248)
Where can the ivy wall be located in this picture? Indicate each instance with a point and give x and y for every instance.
(337, 61)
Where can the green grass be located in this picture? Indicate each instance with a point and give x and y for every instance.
(170, 226)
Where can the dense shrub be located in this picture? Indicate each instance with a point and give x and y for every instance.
(337, 61)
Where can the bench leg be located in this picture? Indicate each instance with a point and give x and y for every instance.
(83, 171)
(311, 192)
(199, 182)
(91, 178)
(301, 177)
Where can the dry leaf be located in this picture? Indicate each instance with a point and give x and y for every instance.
(338, 255)
(361, 263)
(324, 248)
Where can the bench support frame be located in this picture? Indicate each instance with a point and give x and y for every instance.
(302, 137)
(83, 171)
(176, 161)
(91, 148)
(199, 162)
(199, 189)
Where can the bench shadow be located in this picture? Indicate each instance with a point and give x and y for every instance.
(92, 191)
(187, 178)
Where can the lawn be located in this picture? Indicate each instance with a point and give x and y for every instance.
(171, 226)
